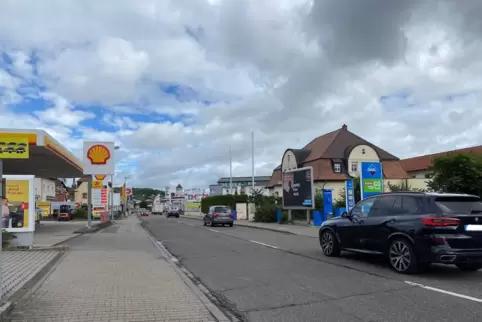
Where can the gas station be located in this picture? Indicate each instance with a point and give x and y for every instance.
(25, 154)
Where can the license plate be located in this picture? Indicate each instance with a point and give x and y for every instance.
(473, 227)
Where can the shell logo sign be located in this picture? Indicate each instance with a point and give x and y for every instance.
(98, 154)
(100, 177)
(98, 158)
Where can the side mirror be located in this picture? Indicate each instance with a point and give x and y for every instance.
(344, 214)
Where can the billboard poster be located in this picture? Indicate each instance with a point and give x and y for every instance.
(45, 207)
(18, 207)
(371, 179)
(298, 191)
(349, 195)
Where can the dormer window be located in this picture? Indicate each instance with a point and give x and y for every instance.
(337, 167)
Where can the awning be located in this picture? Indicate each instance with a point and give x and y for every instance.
(47, 157)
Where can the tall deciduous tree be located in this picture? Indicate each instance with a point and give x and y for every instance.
(457, 173)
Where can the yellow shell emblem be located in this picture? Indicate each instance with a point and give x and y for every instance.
(98, 154)
(100, 176)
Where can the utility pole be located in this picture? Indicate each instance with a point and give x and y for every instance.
(89, 202)
(125, 196)
(230, 171)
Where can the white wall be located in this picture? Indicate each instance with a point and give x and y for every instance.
(44, 189)
(357, 156)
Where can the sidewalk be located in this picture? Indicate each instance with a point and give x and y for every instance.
(116, 274)
(302, 230)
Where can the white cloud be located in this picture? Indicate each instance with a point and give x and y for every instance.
(288, 70)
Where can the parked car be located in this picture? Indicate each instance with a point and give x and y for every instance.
(145, 213)
(219, 215)
(173, 212)
(411, 229)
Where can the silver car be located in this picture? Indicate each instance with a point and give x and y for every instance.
(219, 215)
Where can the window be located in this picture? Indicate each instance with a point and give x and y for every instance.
(363, 208)
(410, 205)
(463, 205)
(84, 195)
(354, 166)
(383, 206)
(337, 167)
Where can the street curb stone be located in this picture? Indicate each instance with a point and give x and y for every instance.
(215, 311)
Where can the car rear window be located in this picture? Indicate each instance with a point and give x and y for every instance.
(222, 210)
(460, 205)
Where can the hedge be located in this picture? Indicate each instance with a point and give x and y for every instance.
(222, 200)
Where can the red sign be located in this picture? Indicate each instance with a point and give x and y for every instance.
(128, 191)
(77, 205)
(104, 196)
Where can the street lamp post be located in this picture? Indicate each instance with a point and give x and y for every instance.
(125, 196)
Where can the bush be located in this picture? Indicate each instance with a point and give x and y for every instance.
(222, 200)
(7, 237)
(266, 213)
(80, 213)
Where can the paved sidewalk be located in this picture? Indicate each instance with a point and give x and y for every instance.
(49, 233)
(302, 230)
(116, 274)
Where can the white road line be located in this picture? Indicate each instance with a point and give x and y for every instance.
(260, 243)
(189, 224)
(462, 296)
(178, 222)
(216, 231)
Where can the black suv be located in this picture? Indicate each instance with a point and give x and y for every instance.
(412, 229)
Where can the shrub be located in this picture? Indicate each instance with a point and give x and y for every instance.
(7, 237)
(222, 200)
(266, 213)
(80, 213)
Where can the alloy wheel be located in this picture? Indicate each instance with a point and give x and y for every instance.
(400, 256)
(327, 243)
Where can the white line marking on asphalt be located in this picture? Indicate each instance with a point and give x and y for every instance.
(178, 222)
(462, 296)
(260, 243)
(190, 225)
(216, 231)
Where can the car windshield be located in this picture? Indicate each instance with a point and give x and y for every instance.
(222, 210)
(460, 205)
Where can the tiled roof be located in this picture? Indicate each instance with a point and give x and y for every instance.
(424, 162)
(337, 145)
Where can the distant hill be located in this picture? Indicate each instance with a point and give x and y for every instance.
(144, 193)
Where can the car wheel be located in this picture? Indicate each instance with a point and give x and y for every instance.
(231, 225)
(204, 222)
(469, 267)
(329, 244)
(401, 256)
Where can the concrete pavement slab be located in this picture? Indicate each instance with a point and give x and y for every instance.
(116, 274)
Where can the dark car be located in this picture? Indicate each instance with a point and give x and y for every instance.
(411, 229)
(173, 212)
(219, 215)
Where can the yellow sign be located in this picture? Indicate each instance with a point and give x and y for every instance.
(99, 176)
(45, 207)
(97, 184)
(123, 192)
(12, 147)
(17, 193)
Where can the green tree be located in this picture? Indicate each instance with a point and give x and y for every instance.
(404, 186)
(143, 204)
(457, 173)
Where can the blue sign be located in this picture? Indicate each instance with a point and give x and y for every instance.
(349, 195)
(371, 179)
(327, 203)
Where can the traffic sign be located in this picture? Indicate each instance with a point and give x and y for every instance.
(128, 191)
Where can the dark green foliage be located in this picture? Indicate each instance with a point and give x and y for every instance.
(225, 200)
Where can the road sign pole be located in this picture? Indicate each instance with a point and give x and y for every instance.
(89, 203)
(2, 194)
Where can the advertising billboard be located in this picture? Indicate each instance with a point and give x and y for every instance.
(298, 192)
(349, 195)
(371, 179)
(18, 207)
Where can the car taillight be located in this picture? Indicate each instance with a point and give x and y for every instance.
(215, 215)
(230, 215)
(440, 221)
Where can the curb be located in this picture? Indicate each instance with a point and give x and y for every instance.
(213, 309)
(23, 293)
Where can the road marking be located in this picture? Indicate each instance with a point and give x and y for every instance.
(189, 224)
(216, 231)
(462, 296)
(260, 243)
(178, 222)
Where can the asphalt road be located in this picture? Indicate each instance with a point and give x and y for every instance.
(270, 276)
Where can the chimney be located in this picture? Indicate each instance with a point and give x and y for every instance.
(344, 127)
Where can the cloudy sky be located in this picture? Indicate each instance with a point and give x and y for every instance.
(176, 82)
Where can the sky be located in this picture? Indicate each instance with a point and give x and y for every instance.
(175, 83)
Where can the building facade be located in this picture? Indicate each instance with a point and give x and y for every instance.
(336, 157)
(45, 189)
